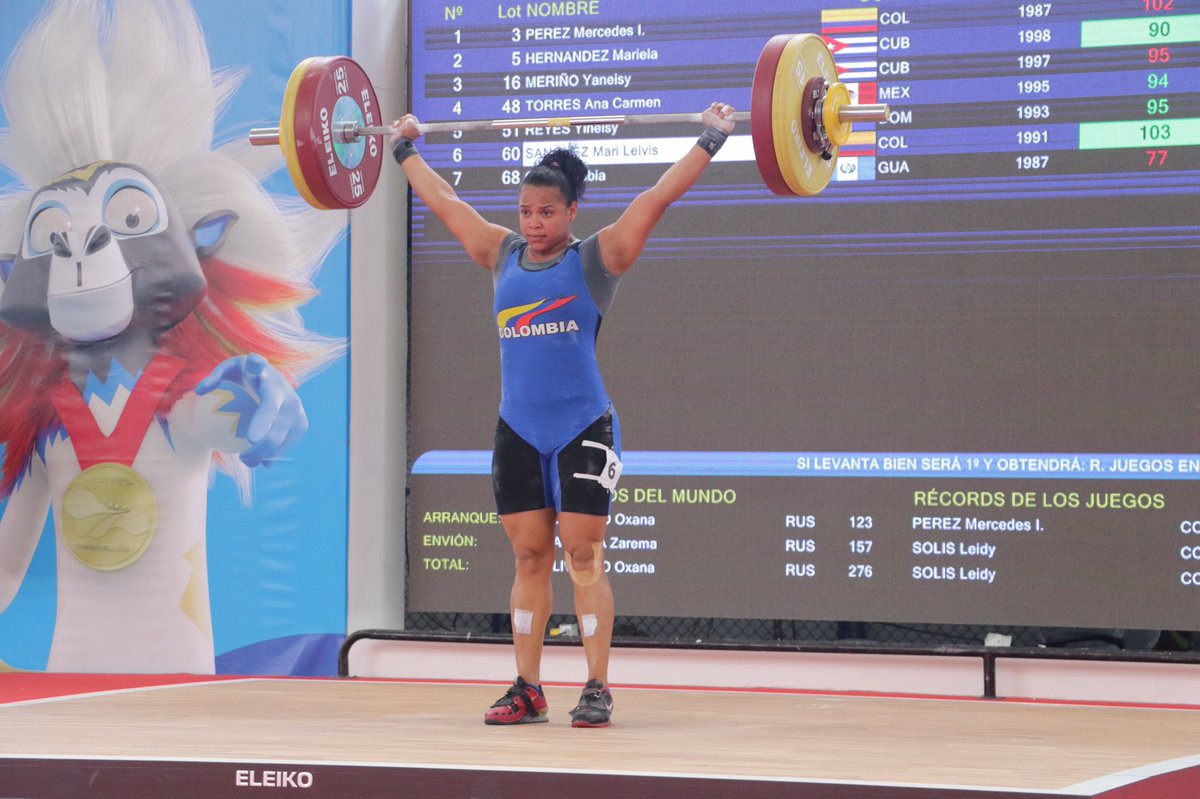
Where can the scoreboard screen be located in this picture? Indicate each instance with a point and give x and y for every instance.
(959, 385)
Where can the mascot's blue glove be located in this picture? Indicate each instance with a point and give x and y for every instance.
(278, 420)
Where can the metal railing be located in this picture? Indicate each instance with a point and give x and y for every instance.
(988, 655)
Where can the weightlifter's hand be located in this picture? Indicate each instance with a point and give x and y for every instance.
(406, 127)
(716, 116)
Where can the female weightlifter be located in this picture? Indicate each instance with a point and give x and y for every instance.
(556, 456)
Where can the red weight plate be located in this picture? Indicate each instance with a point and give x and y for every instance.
(338, 175)
(761, 118)
(361, 160)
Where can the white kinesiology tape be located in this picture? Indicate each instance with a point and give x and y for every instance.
(522, 621)
(588, 622)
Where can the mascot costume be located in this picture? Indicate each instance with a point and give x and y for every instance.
(148, 325)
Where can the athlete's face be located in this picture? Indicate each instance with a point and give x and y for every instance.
(545, 220)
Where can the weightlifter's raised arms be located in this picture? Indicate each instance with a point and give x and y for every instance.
(620, 242)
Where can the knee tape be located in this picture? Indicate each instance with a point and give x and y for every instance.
(591, 575)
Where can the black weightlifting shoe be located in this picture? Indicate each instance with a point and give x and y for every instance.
(595, 706)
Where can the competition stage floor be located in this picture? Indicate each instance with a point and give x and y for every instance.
(179, 737)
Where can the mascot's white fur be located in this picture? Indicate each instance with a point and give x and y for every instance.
(148, 324)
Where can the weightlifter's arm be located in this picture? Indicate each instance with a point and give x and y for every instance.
(479, 237)
(622, 241)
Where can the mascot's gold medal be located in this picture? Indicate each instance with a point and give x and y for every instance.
(109, 512)
(109, 515)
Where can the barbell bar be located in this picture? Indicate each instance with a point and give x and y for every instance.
(352, 131)
(800, 116)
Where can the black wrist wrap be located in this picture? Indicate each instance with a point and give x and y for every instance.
(404, 148)
(711, 140)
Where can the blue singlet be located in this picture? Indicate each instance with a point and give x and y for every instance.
(548, 320)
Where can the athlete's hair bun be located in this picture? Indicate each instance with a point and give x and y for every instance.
(563, 169)
(571, 165)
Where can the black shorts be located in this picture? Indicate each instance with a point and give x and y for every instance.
(525, 479)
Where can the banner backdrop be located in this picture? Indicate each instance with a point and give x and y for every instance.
(275, 554)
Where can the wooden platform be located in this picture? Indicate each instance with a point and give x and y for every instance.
(356, 739)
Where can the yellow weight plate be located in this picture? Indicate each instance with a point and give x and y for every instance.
(287, 132)
(805, 57)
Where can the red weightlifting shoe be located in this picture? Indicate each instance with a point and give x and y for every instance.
(522, 703)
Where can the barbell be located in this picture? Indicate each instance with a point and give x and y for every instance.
(800, 115)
